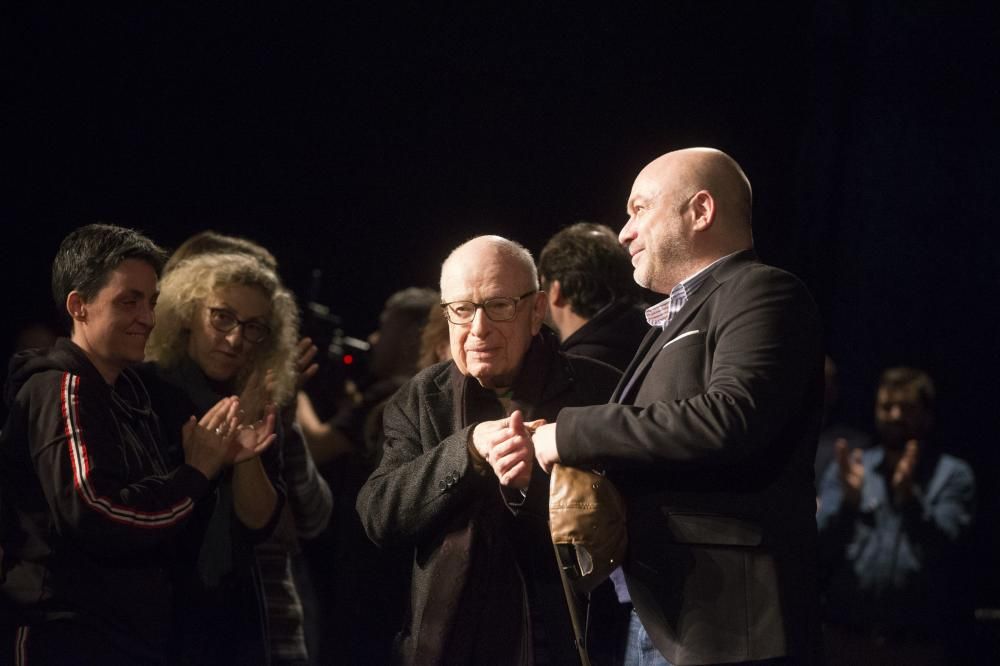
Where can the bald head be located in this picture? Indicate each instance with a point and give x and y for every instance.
(481, 250)
(686, 209)
(690, 170)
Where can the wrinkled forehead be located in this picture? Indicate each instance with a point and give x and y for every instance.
(483, 275)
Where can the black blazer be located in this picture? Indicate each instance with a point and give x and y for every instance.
(711, 436)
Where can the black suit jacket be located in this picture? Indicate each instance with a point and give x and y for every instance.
(711, 436)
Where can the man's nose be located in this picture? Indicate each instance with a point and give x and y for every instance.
(626, 235)
(480, 324)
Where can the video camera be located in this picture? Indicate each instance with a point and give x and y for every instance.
(341, 357)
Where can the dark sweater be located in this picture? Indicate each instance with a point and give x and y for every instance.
(612, 335)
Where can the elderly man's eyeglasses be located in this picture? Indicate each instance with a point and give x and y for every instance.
(500, 308)
(224, 321)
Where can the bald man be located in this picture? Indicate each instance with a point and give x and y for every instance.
(712, 431)
(458, 482)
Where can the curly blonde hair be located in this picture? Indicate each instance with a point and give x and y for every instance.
(184, 289)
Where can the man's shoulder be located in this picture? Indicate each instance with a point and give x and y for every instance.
(431, 380)
(611, 336)
(746, 285)
(427, 392)
(746, 267)
(951, 465)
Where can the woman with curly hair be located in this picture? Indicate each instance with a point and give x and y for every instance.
(225, 326)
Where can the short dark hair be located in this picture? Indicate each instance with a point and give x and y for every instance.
(593, 269)
(87, 256)
(909, 378)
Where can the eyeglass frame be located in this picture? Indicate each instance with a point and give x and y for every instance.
(446, 309)
(237, 323)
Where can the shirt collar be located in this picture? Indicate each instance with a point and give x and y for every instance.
(663, 312)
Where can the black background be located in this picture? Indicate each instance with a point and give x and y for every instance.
(367, 139)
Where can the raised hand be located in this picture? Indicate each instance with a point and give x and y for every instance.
(305, 352)
(255, 397)
(207, 441)
(850, 470)
(902, 475)
(251, 439)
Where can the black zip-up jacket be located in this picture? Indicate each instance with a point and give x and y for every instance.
(91, 507)
(612, 335)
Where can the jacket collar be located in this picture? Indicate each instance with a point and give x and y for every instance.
(655, 339)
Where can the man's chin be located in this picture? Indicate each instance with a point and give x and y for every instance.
(489, 379)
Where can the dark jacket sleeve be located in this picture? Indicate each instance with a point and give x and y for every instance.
(763, 342)
(76, 453)
(421, 481)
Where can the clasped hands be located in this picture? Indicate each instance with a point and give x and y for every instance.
(507, 447)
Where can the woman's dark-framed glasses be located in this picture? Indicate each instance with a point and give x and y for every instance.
(224, 320)
(501, 308)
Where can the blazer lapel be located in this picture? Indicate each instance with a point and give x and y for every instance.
(640, 354)
(655, 340)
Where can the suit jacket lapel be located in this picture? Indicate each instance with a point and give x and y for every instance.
(640, 353)
(654, 343)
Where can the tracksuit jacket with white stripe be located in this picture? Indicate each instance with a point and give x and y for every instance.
(90, 507)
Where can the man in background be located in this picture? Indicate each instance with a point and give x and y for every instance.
(593, 301)
(893, 523)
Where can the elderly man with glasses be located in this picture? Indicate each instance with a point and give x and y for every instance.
(458, 483)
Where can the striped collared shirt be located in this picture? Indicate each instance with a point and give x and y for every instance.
(663, 312)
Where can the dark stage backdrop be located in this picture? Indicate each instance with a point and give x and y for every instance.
(367, 139)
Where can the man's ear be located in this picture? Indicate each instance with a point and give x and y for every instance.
(76, 307)
(702, 207)
(554, 291)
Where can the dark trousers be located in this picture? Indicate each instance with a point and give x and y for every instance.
(65, 642)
